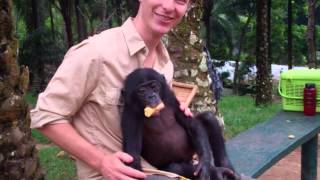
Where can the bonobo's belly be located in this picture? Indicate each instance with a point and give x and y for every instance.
(165, 141)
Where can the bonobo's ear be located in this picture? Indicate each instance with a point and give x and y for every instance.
(162, 78)
(123, 92)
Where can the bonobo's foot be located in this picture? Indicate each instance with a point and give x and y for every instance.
(235, 176)
(222, 173)
(225, 162)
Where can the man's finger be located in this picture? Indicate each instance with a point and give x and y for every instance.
(133, 172)
(124, 157)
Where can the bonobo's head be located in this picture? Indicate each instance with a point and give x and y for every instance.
(144, 88)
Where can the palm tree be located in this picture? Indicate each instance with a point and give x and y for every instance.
(18, 157)
(186, 50)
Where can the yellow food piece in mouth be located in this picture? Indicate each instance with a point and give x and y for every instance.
(149, 111)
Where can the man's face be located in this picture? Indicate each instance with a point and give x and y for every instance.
(162, 15)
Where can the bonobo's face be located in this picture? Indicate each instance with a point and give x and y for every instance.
(148, 93)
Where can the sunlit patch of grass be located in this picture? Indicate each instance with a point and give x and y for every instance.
(240, 113)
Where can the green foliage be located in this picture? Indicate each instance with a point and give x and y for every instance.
(31, 99)
(300, 48)
(226, 30)
(240, 113)
(56, 168)
(41, 46)
(39, 137)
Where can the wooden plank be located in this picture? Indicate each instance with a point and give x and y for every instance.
(184, 92)
(256, 150)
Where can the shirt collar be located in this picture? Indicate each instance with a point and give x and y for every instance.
(135, 43)
(133, 40)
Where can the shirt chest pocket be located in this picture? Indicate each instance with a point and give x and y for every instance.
(112, 98)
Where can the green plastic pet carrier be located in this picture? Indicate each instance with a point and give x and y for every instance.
(291, 85)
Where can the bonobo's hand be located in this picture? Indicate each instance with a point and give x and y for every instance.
(112, 167)
(222, 173)
(136, 163)
(204, 168)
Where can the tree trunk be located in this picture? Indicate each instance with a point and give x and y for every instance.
(263, 80)
(118, 12)
(269, 35)
(186, 51)
(311, 34)
(289, 34)
(66, 11)
(236, 77)
(18, 156)
(35, 14)
(51, 20)
(207, 7)
(81, 26)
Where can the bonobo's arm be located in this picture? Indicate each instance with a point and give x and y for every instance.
(196, 133)
(131, 126)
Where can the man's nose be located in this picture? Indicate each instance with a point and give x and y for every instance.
(168, 5)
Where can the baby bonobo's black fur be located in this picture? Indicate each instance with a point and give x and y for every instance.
(169, 139)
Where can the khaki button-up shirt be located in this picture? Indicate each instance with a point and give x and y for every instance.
(85, 91)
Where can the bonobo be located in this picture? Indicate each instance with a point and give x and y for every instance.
(154, 127)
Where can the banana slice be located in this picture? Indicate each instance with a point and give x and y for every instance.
(149, 111)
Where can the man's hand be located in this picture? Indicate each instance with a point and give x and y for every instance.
(186, 110)
(113, 167)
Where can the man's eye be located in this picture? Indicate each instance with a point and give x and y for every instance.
(182, 2)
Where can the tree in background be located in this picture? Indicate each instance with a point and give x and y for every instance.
(289, 36)
(311, 39)
(18, 156)
(263, 81)
(186, 51)
(65, 7)
(249, 13)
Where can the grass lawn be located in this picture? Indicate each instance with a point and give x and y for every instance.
(239, 114)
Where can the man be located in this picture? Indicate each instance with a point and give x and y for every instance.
(79, 110)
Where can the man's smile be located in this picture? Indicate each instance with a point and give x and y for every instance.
(163, 17)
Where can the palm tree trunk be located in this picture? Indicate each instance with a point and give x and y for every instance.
(263, 80)
(186, 51)
(18, 157)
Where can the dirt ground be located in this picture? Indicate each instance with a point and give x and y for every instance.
(288, 168)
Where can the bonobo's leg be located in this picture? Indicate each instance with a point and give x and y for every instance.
(216, 139)
(217, 144)
(182, 168)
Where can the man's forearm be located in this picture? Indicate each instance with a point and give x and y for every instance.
(65, 136)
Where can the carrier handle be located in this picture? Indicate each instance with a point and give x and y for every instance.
(292, 97)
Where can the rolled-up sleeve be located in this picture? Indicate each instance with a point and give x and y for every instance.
(72, 84)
